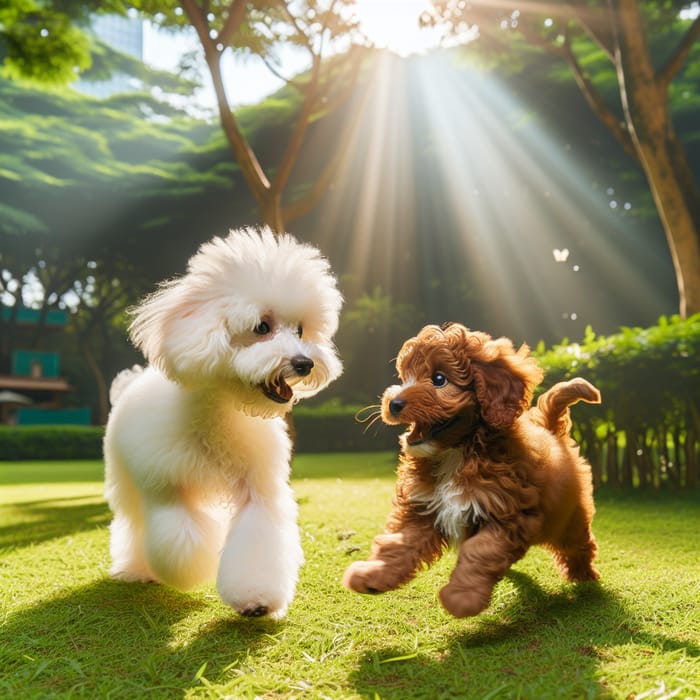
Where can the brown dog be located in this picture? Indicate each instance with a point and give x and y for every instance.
(480, 469)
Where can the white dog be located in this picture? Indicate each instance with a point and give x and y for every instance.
(196, 448)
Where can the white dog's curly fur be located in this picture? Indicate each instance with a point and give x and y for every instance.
(196, 448)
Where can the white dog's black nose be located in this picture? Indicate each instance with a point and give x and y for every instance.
(396, 406)
(302, 365)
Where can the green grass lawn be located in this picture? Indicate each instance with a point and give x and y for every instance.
(69, 631)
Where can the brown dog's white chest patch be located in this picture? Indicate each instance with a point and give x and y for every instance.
(455, 509)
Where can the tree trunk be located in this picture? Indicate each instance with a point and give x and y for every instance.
(271, 211)
(100, 383)
(645, 105)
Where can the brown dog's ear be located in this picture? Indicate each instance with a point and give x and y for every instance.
(504, 381)
(500, 393)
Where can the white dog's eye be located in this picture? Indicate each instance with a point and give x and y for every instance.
(263, 328)
(300, 330)
(439, 379)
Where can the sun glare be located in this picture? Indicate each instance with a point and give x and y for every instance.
(393, 25)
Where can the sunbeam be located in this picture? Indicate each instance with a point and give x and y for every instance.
(454, 199)
(373, 199)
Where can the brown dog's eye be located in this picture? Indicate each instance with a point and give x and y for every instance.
(439, 379)
(263, 328)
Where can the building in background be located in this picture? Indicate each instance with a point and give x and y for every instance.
(32, 390)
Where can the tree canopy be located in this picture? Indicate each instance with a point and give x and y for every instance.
(51, 41)
(454, 189)
(648, 46)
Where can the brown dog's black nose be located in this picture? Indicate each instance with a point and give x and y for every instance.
(302, 365)
(396, 406)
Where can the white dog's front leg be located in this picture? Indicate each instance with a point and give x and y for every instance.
(182, 544)
(261, 558)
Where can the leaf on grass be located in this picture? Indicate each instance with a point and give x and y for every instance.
(404, 657)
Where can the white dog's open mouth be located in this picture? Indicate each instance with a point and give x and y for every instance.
(278, 390)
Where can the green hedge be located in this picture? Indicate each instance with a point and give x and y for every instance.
(41, 442)
(341, 432)
(647, 431)
(315, 431)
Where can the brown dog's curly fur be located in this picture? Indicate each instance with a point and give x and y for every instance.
(480, 468)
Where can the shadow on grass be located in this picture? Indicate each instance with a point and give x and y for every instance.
(550, 646)
(34, 522)
(116, 639)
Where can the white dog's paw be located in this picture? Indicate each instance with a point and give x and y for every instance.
(261, 610)
(257, 604)
(258, 611)
(132, 575)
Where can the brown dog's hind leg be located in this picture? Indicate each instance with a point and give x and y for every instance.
(482, 561)
(410, 541)
(574, 555)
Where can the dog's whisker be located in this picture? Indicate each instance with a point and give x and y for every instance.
(374, 410)
(370, 418)
(372, 422)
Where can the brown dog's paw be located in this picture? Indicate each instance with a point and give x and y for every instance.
(463, 603)
(582, 573)
(366, 577)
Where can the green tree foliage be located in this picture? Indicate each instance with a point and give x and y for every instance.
(47, 40)
(60, 148)
(648, 45)
(94, 201)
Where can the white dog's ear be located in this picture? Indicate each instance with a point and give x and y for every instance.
(147, 329)
(178, 332)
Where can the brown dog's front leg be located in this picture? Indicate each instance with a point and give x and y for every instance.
(482, 561)
(410, 541)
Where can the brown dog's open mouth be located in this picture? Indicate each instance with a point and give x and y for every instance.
(421, 433)
(278, 391)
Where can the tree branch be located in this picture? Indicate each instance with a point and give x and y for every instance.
(596, 103)
(289, 81)
(591, 95)
(296, 140)
(597, 26)
(250, 166)
(311, 92)
(236, 15)
(675, 63)
(308, 201)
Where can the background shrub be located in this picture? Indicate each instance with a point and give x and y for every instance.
(647, 431)
(41, 442)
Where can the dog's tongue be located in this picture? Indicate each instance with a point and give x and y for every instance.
(278, 390)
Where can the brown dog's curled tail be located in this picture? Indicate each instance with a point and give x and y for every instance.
(553, 405)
